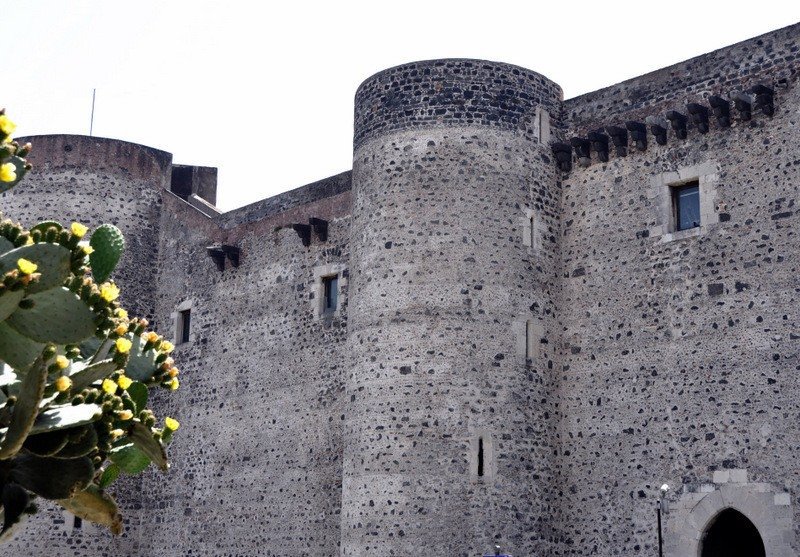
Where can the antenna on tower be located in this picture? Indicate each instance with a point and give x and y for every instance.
(91, 121)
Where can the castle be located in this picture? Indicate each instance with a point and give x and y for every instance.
(511, 323)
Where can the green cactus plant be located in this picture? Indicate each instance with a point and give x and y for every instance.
(74, 369)
(108, 244)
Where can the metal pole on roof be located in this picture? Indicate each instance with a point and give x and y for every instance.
(91, 121)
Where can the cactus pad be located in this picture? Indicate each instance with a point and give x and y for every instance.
(95, 505)
(44, 225)
(108, 243)
(17, 350)
(52, 478)
(25, 410)
(8, 302)
(83, 376)
(19, 167)
(63, 417)
(5, 245)
(57, 315)
(52, 260)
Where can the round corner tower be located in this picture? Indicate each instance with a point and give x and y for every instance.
(448, 440)
(97, 180)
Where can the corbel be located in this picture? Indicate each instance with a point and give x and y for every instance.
(217, 255)
(563, 154)
(678, 122)
(320, 228)
(619, 136)
(599, 144)
(582, 150)
(232, 253)
(304, 231)
(699, 116)
(658, 128)
(744, 106)
(638, 134)
(721, 109)
(765, 99)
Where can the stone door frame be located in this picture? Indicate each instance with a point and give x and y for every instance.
(691, 513)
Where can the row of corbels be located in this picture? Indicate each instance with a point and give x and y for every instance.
(761, 98)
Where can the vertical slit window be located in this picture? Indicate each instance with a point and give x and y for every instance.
(185, 324)
(330, 286)
(528, 332)
(480, 457)
(532, 234)
(77, 523)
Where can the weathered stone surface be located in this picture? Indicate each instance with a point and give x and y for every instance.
(523, 350)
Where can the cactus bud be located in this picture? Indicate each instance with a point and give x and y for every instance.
(49, 352)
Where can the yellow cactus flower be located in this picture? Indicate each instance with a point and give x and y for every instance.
(123, 345)
(117, 433)
(109, 291)
(6, 125)
(152, 336)
(63, 383)
(174, 384)
(27, 267)
(124, 382)
(87, 249)
(125, 415)
(78, 229)
(173, 372)
(8, 172)
(171, 423)
(62, 362)
(121, 329)
(121, 313)
(109, 386)
(167, 346)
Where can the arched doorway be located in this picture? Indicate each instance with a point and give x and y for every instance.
(731, 534)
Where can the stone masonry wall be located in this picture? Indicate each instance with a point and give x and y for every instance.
(257, 467)
(681, 348)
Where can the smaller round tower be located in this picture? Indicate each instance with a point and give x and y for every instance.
(455, 204)
(94, 181)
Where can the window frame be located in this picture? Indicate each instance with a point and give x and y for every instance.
(675, 193)
(321, 274)
(178, 323)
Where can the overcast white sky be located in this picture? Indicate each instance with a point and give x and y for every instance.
(264, 90)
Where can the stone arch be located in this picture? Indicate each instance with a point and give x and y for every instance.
(729, 531)
(688, 518)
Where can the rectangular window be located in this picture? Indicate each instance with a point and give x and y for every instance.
(686, 205)
(185, 324)
(480, 457)
(330, 287)
(77, 523)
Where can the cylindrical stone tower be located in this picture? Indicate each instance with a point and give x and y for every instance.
(448, 431)
(95, 180)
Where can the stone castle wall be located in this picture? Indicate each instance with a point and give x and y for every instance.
(549, 324)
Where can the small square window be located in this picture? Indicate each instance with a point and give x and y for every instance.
(686, 205)
(184, 325)
(330, 293)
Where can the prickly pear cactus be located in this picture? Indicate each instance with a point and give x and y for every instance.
(74, 368)
(108, 243)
